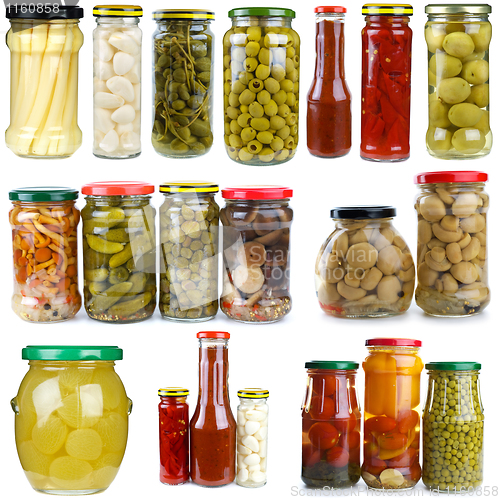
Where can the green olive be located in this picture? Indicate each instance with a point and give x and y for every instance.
(251, 64)
(468, 140)
(265, 137)
(439, 139)
(247, 97)
(438, 114)
(482, 37)
(252, 49)
(254, 147)
(262, 72)
(434, 36)
(271, 109)
(256, 110)
(256, 85)
(453, 90)
(465, 114)
(476, 72)
(248, 134)
(445, 66)
(260, 124)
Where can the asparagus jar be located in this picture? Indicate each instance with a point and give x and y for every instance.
(261, 86)
(189, 234)
(44, 40)
(458, 40)
(45, 253)
(452, 260)
(256, 253)
(252, 438)
(364, 268)
(453, 425)
(183, 58)
(71, 422)
(117, 81)
(119, 251)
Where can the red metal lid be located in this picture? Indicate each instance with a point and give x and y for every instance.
(450, 176)
(327, 8)
(394, 342)
(257, 193)
(212, 335)
(118, 188)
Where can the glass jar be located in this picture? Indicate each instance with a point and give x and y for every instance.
(44, 40)
(117, 81)
(189, 235)
(174, 435)
(261, 86)
(212, 427)
(392, 414)
(251, 444)
(329, 99)
(331, 418)
(71, 419)
(364, 268)
(458, 40)
(452, 260)
(45, 253)
(119, 251)
(183, 56)
(453, 424)
(386, 82)
(256, 253)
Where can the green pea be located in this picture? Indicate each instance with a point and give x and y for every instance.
(260, 124)
(256, 110)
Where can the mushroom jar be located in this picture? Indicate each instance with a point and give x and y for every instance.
(452, 256)
(256, 253)
(364, 268)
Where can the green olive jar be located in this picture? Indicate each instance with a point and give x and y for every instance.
(182, 83)
(453, 424)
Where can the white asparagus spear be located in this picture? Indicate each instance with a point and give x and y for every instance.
(14, 43)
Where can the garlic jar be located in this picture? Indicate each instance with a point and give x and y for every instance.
(117, 81)
(251, 448)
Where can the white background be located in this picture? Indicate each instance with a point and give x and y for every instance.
(159, 353)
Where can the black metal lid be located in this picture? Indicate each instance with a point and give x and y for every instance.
(363, 212)
(45, 11)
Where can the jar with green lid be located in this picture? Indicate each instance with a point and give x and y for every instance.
(453, 424)
(458, 42)
(261, 86)
(189, 234)
(183, 58)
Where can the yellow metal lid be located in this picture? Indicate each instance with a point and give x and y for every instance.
(117, 11)
(189, 187)
(459, 8)
(253, 393)
(194, 14)
(387, 9)
(173, 391)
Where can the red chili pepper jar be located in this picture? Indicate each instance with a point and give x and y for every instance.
(386, 82)
(173, 411)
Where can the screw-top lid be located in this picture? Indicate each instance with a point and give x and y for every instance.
(450, 176)
(262, 11)
(43, 194)
(330, 9)
(212, 335)
(459, 8)
(374, 212)
(387, 9)
(453, 366)
(393, 342)
(332, 365)
(42, 10)
(117, 11)
(72, 353)
(189, 187)
(193, 14)
(173, 391)
(119, 188)
(253, 393)
(257, 193)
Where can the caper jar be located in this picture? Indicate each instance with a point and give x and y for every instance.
(189, 233)
(458, 40)
(261, 86)
(183, 61)
(452, 251)
(453, 425)
(364, 268)
(119, 254)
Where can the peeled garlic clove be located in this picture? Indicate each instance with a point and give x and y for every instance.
(137, 100)
(240, 461)
(252, 468)
(103, 50)
(243, 450)
(103, 70)
(263, 449)
(108, 100)
(125, 114)
(255, 415)
(137, 123)
(102, 120)
(136, 34)
(263, 464)
(123, 63)
(251, 442)
(124, 43)
(99, 85)
(110, 142)
(119, 85)
(134, 75)
(125, 127)
(251, 427)
(241, 430)
(252, 459)
(241, 417)
(258, 476)
(98, 137)
(130, 141)
(243, 475)
(261, 433)
(391, 477)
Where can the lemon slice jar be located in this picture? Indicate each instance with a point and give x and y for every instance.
(71, 420)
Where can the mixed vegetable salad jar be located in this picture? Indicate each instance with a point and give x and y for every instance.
(71, 420)
(44, 40)
(119, 251)
(458, 41)
(183, 58)
(45, 253)
(261, 86)
(117, 81)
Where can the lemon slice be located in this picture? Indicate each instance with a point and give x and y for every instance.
(85, 444)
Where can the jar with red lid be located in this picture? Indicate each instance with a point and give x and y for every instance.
(119, 251)
(256, 253)
(385, 82)
(452, 252)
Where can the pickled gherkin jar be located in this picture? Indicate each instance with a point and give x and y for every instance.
(189, 232)
(183, 58)
(119, 251)
(453, 425)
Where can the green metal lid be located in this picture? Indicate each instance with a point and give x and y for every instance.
(72, 352)
(47, 193)
(332, 365)
(451, 366)
(262, 11)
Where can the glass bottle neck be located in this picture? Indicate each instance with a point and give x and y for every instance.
(173, 400)
(213, 373)
(396, 21)
(330, 46)
(117, 21)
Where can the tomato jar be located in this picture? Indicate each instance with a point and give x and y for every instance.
(386, 82)
(71, 420)
(329, 98)
(331, 432)
(173, 413)
(117, 81)
(189, 235)
(452, 261)
(453, 426)
(458, 40)
(252, 438)
(392, 414)
(119, 251)
(261, 86)
(45, 253)
(44, 41)
(364, 268)
(256, 253)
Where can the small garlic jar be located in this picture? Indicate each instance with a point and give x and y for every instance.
(251, 444)
(117, 81)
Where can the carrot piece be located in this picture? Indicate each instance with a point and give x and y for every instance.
(43, 254)
(71, 271)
